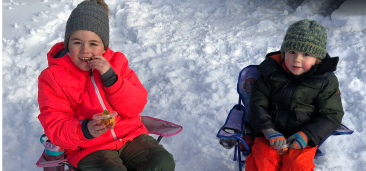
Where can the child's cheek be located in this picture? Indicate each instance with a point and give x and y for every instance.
(287, 63)
(98, 53)
(307, 66)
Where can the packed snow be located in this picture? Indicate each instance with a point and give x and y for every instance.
(188, 55)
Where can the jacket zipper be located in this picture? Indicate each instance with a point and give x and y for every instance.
(289, 103)
(100, 100)
(280, 102)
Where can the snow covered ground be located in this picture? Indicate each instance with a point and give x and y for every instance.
(187, 54)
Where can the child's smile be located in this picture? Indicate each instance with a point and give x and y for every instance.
(85, 59)
(297, 67)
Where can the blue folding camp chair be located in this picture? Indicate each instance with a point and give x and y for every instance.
(153, 125)
(237, 123)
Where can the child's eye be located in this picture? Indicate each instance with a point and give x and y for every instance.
(306, 54)
(93, 44)
(291, 52)
(76, 43)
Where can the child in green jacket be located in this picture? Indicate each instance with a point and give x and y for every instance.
(295, 102)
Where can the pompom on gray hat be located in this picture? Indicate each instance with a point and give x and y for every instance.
(88, 15)
(307, 36)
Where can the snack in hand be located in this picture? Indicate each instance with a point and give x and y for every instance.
(107, 118)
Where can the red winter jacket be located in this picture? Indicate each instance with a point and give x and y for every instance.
(66, 96)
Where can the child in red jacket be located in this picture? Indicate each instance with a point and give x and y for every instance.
(84, 78)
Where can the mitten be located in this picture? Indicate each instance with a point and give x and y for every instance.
(274, 137)
(298, 141)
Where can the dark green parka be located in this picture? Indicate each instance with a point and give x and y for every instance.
(309, 102)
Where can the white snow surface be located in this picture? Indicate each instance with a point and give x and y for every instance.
(187, 54)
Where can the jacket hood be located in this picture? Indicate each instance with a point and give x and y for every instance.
(328, 64)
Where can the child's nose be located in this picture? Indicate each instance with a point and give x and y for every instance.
(84, 49)
(298, 57)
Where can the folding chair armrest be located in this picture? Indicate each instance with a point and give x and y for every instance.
(342, 130)
(160, 127)
(42, 162)
(52, 163)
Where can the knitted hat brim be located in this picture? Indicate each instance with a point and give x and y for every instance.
(304, 47)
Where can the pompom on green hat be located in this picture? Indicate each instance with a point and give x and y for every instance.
(306, 36)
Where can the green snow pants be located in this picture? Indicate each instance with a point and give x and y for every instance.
(141, 154)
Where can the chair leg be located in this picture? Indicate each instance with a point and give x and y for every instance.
(239, 161)
(239, 157)
(235, 151)
(69, 165)
(159, 138)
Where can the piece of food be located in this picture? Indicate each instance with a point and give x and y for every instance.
(281, 150)
(107, 121)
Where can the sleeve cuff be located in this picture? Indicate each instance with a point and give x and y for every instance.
(312, 139)
(115, 87)
(85, 130)
(109, 78)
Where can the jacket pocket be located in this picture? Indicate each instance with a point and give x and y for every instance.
(303, 117)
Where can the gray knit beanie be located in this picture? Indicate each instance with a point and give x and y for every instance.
(88, 15)
(306, 36)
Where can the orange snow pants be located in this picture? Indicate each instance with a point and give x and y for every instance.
(264, 158)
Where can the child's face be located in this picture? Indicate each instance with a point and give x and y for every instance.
(298, 63)
(83, 45)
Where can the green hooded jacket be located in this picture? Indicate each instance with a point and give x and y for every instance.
(309, 102)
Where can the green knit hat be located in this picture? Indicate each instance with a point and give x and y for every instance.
(306, 36)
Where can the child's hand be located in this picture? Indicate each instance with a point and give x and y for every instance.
(274, 137)
(99, 63)
(298, 141)
(96, 128)
(109, 126)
